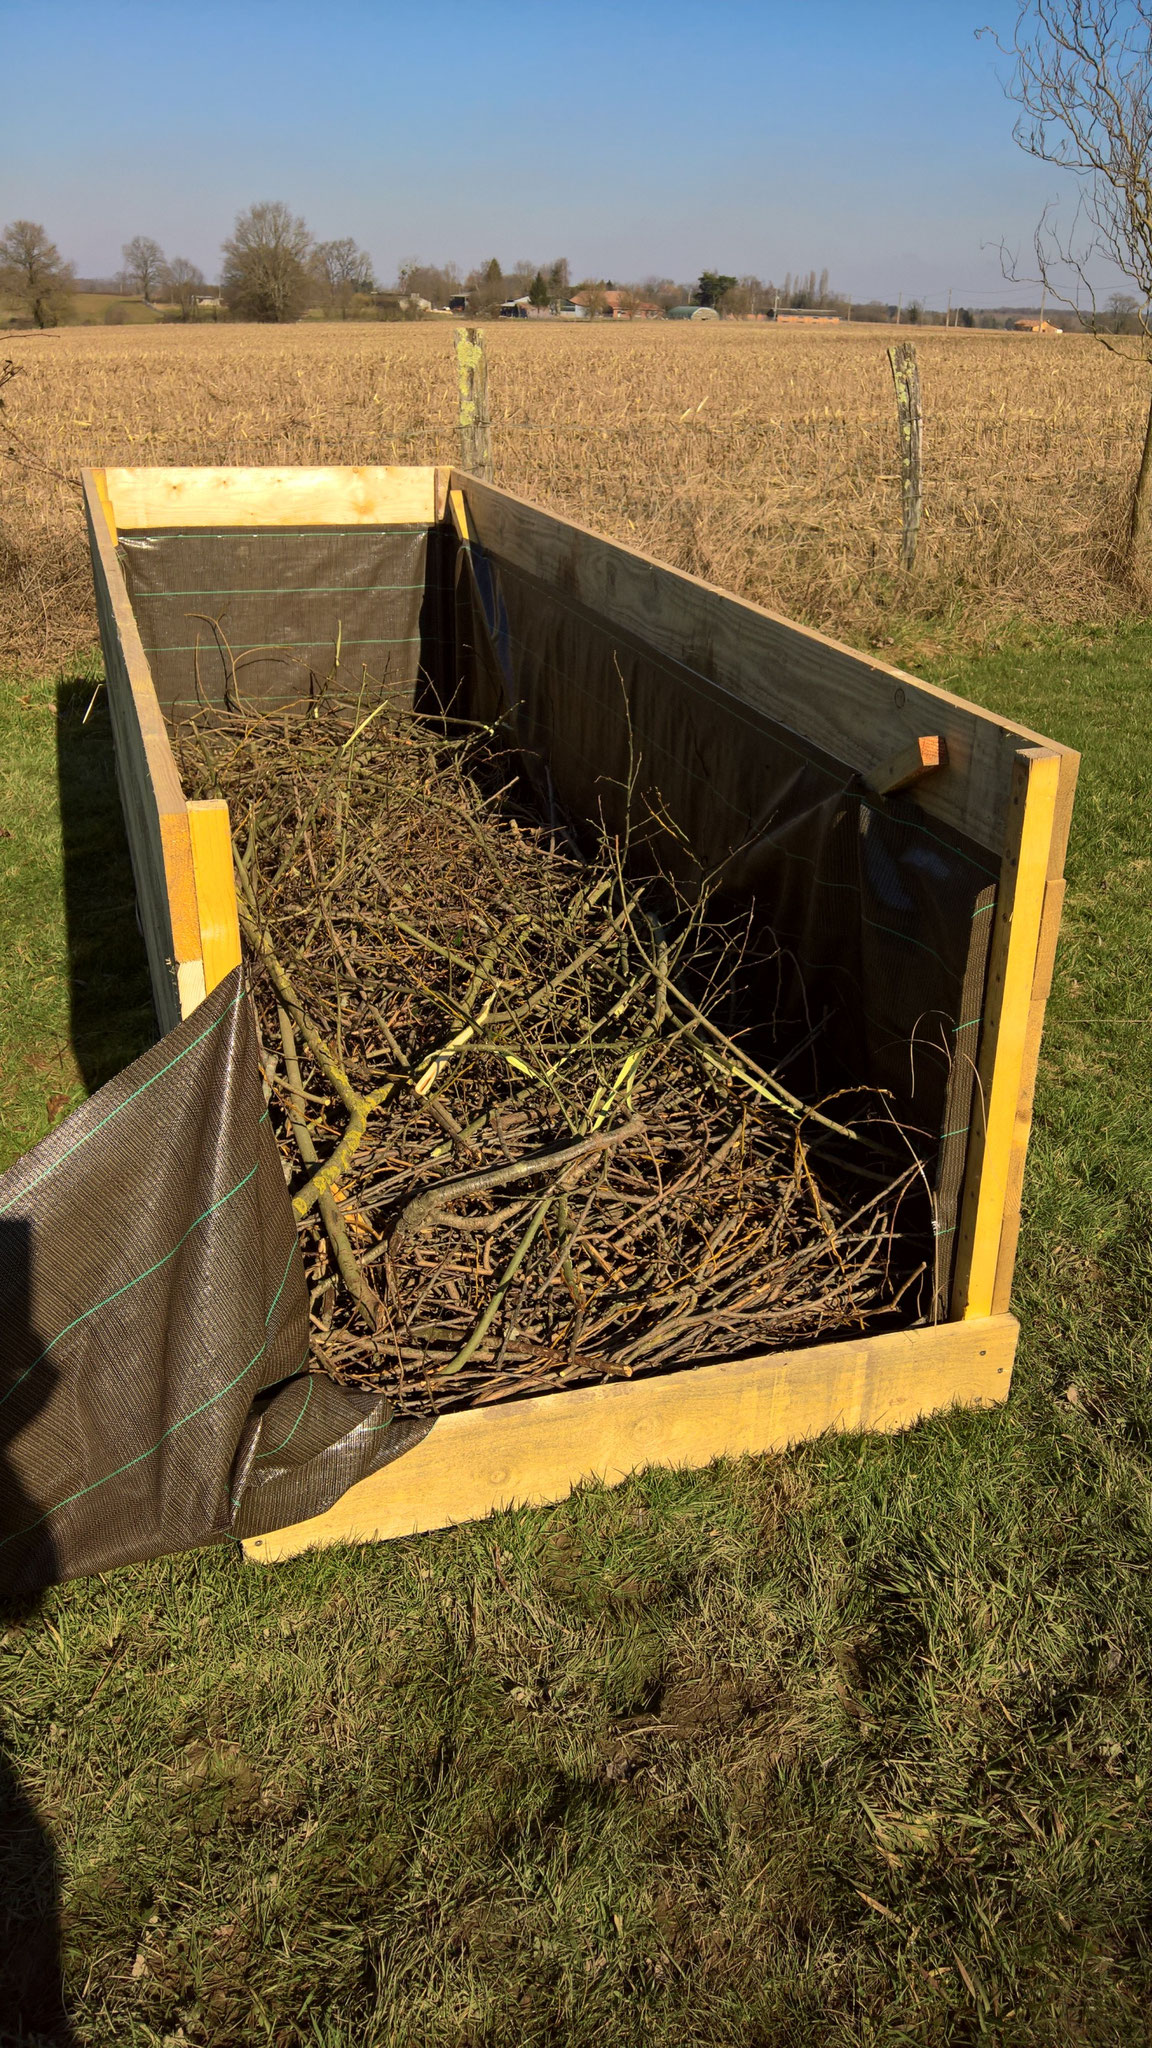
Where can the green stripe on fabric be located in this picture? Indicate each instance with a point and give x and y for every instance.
(112, 1113)
(274, 646)
(137, 535)
(115, 1295)
(294, 590)
(170, 1431)
(291, 1433)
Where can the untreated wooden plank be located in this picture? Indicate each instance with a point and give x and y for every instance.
(381, 496)
(1004, 1037)
(479, 1460)
(101, 486)
(211, 836)
(155, 813)
(857, 709)
(910, 765)
(1014, 1189)
(459, 515)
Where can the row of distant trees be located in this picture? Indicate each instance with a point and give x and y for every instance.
(273, 269)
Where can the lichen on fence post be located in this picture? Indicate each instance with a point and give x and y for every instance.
(475, 425)
(910, 418)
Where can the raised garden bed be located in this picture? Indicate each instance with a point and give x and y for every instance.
(904, 849)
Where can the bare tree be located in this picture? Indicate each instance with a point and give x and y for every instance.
(341, 270)
(663, 292)
(1123, 313)
(486, 287)
(185, 282)
(33, 273)
(593, 296)
(1082, 78)
(144, 263)
(266, 272)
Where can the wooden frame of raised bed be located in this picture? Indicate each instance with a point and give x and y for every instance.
(1004, 787)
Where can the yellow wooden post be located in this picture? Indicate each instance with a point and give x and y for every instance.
(995, 1158)
(211, 836)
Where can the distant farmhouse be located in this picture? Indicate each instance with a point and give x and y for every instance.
(808, 315)
(613, 304)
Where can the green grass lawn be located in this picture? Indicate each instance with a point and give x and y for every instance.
(852, 1745)
(92, 307)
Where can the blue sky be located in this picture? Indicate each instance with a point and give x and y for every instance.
(866, 135)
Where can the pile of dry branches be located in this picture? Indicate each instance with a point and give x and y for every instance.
(524, 1150)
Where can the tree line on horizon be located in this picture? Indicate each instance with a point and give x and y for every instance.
(275, 270)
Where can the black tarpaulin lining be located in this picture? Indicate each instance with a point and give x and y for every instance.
(882, 916)
(155, 1324)
(285, 601)
(152, 1296)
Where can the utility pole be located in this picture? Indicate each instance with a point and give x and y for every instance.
(948, 314)
(899, 308)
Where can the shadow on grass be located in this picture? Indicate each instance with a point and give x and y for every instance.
(112, 1019)
(31, 1994)
(111, 1022)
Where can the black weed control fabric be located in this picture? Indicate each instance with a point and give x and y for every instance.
(154, 1324)
(882, 918)
(264, 615)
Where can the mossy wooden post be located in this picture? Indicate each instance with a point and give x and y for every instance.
(906, 377)
(475, 426)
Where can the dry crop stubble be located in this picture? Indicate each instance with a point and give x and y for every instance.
(762, 459)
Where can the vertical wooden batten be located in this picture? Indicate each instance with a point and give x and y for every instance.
(211, 835)
(100, 481)
(1007, 1057)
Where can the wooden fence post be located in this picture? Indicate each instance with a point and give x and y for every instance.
(475, 425)
(906, 378)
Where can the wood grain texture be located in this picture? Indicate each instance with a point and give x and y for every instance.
(384, 496)
(459, 514)
(211, 834)
(910, 765)
(858, 709)
(155, 813)
(1004, 1037)
(1022, 1127)
(101, 487)
(529, 1452)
